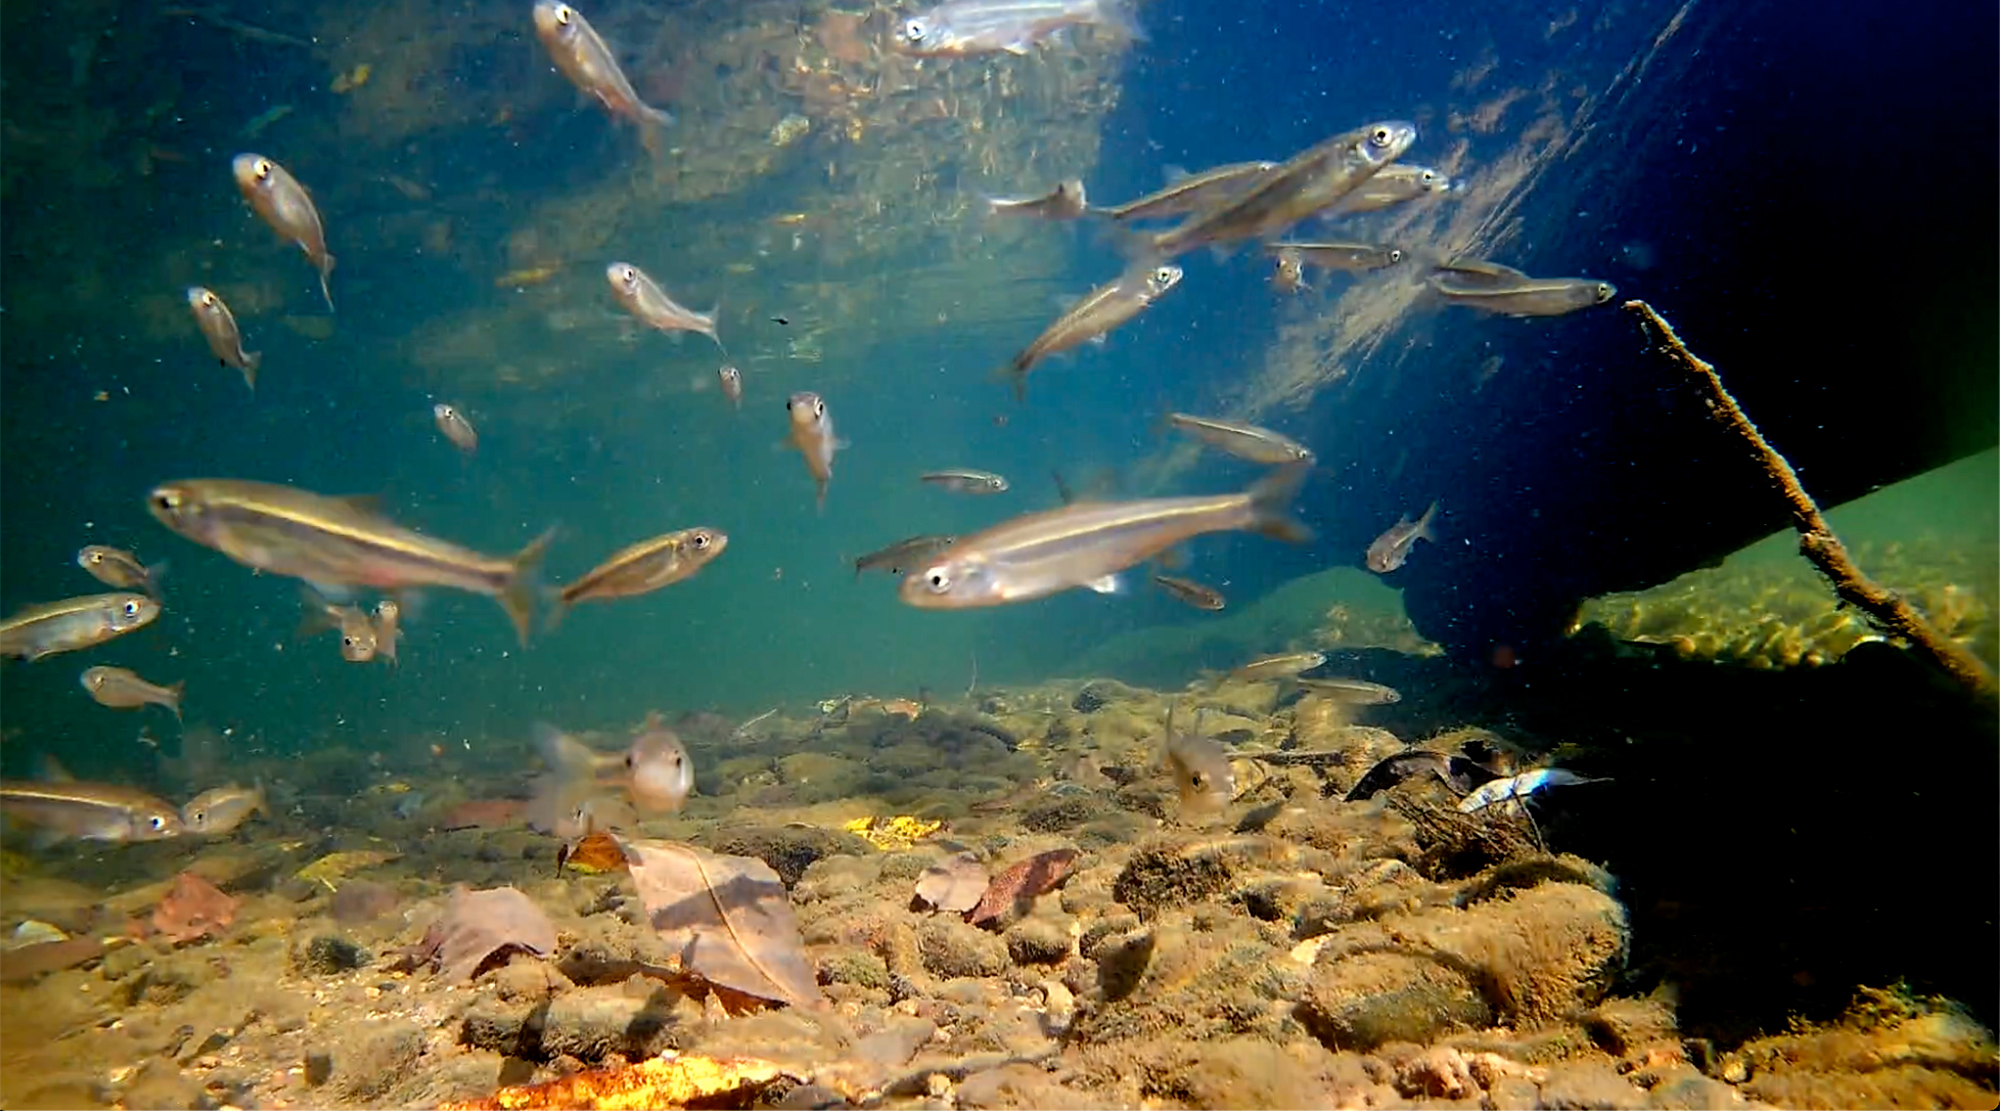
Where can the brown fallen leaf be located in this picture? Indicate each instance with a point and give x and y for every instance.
(597, 852)
(954, 884)
(479, 925)
(729, 918)
(668, 1081)
(194, 909)
(1034, 876)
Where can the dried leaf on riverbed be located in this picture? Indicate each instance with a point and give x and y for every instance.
(728, 917)
(669, 1081)
(479, 925)
(953, 884)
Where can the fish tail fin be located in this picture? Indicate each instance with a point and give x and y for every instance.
(517, 596)
(1015, 374)
(179, 691)
(325, 276)
(1271, 501)
(653, 124)
(1121, 16)
(251, 361)
(558, 608)
(1424, 524)
(820, 498)
(314, 619)
(153, 574)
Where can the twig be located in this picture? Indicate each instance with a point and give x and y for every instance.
(1817, 543)
(974, 685)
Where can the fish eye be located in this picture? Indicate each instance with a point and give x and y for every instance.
(262, 169)
(1605, 292)
(208, 300)
(131, 609)
(563, 14)
(819, 408)
(628, 275)
(1163, 275)
(1198, 781)
(1395, 254)
(157, 823)
(915, 30)
(700, 541)
(937, 580)
(1428, 177)
(95, 557)
(1380, 136)
(167, 501)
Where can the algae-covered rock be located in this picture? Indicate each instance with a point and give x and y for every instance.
(950, 947)
(789, 850)
(1375, 997)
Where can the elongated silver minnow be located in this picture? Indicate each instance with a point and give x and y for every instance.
(1515, 788)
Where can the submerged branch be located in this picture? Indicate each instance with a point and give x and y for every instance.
(1816, 540)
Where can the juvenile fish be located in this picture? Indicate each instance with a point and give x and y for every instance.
(287, 531)
(1245, 441)
(1388, 551)
(1191, 592)
(1357, 258)
(643, 567)
(812, 434)
(453, 425)
(654, 769)
(1200, 766)
(966, 482)
(73, 623)
(1517, 788)
(119, 568)
(583, 57)
(1066, 201)
(1356, 692)
(359, 638)
(121, 689)
(1281, 666)
(1288, 274)
(91, 811)
(1307, 183)
(961, 27)
(1087, 544)
(1101, 310)
(225, 340)
(643, 298)
(1529, 297)
(283, 203)
(220, 810)
(1187, 193)
(388, 629)
(1391, 186)
(732, 385)
(903, 554)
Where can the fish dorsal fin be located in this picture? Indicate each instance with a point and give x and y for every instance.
(370, 504)
(48, 769)
(1174, 173)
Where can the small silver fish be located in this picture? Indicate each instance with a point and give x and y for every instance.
(1066, 201)
(1358, 258)
(961, 27)
(966, 482)
(1393, 185)
(220, 810)
(281, 202)
(1517, 788)
(903, 554)
(1186, 193)
(388, 629)
(1389, 550)
(812, 434)
(1308, 182)
(1245, 441)
(1200, 766)
(1288, 273)
(583, 57)
(643, 298)
(120, 568)
(732, 385)
(73, 623)
(1356, 692)
(1096, 315)
(225, 340)
(1191, 592)
(1281, 666)
(1088, 544)
(121, 688)
(654, 769)
(1527, 296)
(91, 811)
(455, 427)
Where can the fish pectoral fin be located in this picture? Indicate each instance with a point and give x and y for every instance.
(1109, 584)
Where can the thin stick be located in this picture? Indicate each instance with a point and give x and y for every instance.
(1817, 543)
(974, 685)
